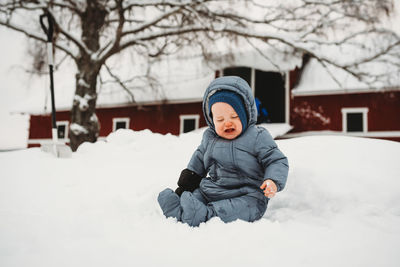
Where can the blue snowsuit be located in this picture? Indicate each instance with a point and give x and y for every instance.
(236, 168)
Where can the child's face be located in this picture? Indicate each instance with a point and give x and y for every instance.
(226, 122)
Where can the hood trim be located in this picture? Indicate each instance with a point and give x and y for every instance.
(236, 85)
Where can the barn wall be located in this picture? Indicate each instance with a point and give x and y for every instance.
(323, 112)
(158, 118)
(40, 125)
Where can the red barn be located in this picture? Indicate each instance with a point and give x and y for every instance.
(173, 116)
(321, 106)
(170, 117)
(295, 98)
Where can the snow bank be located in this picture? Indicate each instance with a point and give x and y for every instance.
(99, 208)
(277, 129)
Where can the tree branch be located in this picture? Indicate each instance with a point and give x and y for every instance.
(37, 37)
(152, 22)
(82, 47)
(118, 80)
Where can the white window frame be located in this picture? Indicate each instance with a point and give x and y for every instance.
(182, 118)
(346, 111)
(287, 96)
(116, 120)
(253, 80)
(66, 124)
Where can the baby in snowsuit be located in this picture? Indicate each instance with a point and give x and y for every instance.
(244, 165)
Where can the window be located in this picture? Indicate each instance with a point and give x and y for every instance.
(62, 129)
(270, 89)
(189, 123)
(354, 119)
(120, 123)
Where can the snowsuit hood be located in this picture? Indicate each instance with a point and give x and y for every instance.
(236, 85)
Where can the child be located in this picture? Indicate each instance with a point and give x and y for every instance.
(244, 165)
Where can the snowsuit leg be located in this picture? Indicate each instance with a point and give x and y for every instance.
(194, 209)
(197, 194)
(246, 203)
(189, 208)
(170, 203)
(247, 208)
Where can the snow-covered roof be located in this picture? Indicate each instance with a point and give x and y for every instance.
(175, 81)
(181, 78)
(184, 77)
(317, 79)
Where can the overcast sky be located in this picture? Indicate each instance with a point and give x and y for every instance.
(13, 86)
(13, 54)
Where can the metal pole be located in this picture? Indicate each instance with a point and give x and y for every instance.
(49, 33)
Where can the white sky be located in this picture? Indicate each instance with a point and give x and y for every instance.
(13, 88)
(12, 53)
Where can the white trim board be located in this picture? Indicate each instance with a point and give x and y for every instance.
(355, 134)
(117, 105)
(344, 91)
(45, 141)
(287, 97)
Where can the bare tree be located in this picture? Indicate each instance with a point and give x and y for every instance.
(93, 31)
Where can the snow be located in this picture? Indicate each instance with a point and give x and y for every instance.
(78, 129)
(277, 129)
(99, 208)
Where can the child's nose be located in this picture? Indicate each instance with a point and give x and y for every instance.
(228, 124)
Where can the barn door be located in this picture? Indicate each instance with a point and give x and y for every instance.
(270, 90)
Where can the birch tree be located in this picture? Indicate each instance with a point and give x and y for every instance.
(91, 32)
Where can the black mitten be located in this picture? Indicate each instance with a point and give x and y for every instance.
(188, 181)
(179, 191)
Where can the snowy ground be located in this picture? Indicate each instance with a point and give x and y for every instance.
(340, 207)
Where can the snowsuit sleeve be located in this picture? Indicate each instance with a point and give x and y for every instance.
(274, 162)
(196, 163)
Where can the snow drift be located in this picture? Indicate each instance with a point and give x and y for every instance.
(99, 208)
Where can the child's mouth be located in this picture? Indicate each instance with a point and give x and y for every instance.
(230, 130)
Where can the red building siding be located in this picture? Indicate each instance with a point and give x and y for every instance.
(40, 125)
(158, 118)
(323, 112)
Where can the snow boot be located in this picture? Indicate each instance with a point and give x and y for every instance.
(170, 203)
(194, 211)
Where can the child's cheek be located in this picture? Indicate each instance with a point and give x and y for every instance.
(218, 128)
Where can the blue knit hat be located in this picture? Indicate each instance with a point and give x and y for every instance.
(232, 99)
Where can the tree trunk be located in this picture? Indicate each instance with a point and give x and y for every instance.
(84, 124)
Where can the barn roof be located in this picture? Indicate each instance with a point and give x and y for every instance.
(178, 79)
(317, 79)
